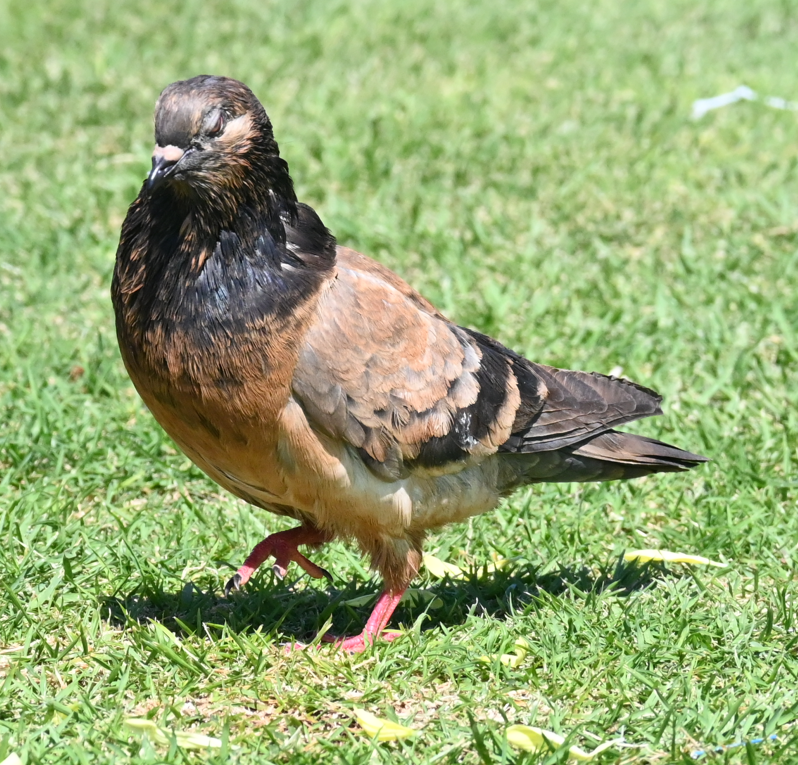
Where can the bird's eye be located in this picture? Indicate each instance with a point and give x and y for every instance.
(216, 126)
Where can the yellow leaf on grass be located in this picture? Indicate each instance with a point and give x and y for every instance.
(539, 740)
(440, 568)
(12, 759)
(497, 562)
(669, 557)
(497, 565)
(381, 729)
(512, 660)
(515, 659)
(184, 739)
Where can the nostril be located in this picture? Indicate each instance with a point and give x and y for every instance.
(170, 154)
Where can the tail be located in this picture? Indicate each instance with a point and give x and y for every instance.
(624, 455)
(609, 456)
(563, 427)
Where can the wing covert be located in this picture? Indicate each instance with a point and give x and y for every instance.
(386, 372)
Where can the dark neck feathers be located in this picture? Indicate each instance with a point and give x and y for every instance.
(257, 181)
(189, 271)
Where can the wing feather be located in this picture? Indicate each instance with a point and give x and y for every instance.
(386, 372)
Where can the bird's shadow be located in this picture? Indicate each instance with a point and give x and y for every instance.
(291, 611)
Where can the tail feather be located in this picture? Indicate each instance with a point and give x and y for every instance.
(609, 456)
(629, 449)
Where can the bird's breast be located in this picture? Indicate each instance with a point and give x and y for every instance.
(213, 361)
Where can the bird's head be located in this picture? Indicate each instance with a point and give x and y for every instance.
(214, 143)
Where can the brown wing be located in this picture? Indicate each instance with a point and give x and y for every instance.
(382, 369)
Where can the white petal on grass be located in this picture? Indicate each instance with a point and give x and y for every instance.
(669, 557)
(704, 105)
(381, 729)
(12, 759)
(440, 568)
(184, 739)
(532, 739)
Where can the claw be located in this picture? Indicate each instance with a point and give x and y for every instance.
(279, 571)
(233, 583)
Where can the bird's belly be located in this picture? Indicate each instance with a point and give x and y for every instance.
(326, 479)
(236, 447)
(363, 506)
(283, 462)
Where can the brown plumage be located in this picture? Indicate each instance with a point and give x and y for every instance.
(315, 383)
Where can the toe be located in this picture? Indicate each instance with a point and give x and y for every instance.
(356, 644)
(317, 572)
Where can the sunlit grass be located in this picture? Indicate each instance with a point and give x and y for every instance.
(533, 170)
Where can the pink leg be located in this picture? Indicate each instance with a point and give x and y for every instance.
(383, 610)
(283, 547)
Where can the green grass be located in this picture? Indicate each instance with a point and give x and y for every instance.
(533, 170)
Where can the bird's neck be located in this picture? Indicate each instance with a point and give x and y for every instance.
(185, 284)
(267, 198)
(210, 278)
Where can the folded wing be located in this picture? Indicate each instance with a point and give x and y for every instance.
(383, 370)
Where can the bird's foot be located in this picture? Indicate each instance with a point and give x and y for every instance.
(359, 643)
(283, 547)
(374, 629)
(354, 644)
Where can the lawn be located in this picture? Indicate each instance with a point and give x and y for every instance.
(531, 168)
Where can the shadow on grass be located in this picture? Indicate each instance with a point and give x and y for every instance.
(293, 612)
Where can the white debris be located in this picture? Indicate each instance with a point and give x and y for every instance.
(740, 93)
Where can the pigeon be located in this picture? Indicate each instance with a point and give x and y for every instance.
(313, 382)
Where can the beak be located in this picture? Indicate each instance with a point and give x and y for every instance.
(164, 159)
